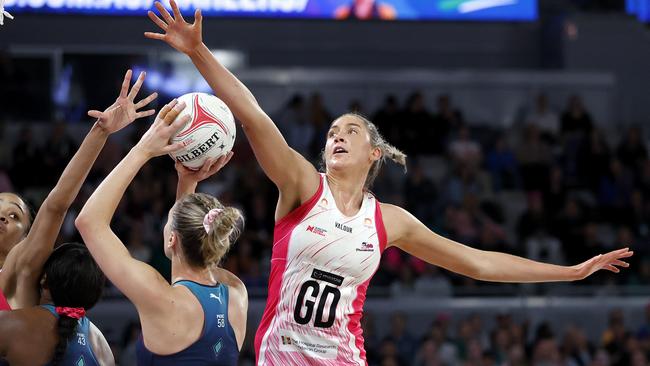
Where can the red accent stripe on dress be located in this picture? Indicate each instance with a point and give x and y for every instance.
(4, 305)
(281, 233)
(381, 230)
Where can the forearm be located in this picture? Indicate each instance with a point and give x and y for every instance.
(184, 188)
(75, 173)
(232, 91)
(501, 267)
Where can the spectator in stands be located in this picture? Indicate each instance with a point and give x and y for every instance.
(575, 119)
(447, 118)
(593, 158)
(615, 191)
(614, 337)
(420, 194)
(404, 341)
(418, 126)
(535, 158)
(502, 165)
(545, 119)
(534, 219)
(575, 347)
(427, 354)
(387, 119)
(57, 151)
(632, 151)
(319, 117)
(295, 125)
(28, 159)
(465, 151)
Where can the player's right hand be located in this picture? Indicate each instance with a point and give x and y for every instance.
(181, 35)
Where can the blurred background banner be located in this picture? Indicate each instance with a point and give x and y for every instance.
(475, 10)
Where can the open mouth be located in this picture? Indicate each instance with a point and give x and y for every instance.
(339, 150)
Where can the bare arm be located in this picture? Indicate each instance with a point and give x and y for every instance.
(20, 275)
(100, 346)
(292, 174)
(409, 234)
(142, 284)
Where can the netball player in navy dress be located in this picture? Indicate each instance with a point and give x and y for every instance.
(200, 319)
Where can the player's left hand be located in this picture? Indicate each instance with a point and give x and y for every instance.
(609, 261)
(209, 168)
(124, 110)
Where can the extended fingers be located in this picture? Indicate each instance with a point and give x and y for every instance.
(177, 12)
(611, 268)
(136, 87)
(174, 112)
(165, 14)
(159, 22)
(125, 84)
(95, 114)
(166, 108)
(146, 101)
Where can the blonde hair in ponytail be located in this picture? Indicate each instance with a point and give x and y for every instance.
(203, 247)
(388, 151)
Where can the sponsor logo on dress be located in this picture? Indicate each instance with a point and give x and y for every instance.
(367, 222)
(310, 345)
(366, 247)
(316, 230)
(343, 227)
(213, 296)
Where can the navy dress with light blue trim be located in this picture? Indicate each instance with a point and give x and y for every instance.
(217, 344)
(79, 351)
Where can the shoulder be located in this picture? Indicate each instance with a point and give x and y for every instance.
(390, 211)
(20, 323)
(236, 288)
(397, 221)
(100, 346)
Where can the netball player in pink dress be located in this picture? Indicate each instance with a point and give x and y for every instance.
(330, 230)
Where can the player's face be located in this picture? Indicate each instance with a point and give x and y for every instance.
(14, 220)
(348, 144)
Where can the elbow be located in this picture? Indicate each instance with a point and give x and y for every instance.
(83, 223)
(55, 206)
(479, 269)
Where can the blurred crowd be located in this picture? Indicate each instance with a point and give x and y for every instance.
(553, 187)
(469, 342)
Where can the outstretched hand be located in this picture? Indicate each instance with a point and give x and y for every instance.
(124, 110)
(156, 141)
(181, 35)
(209, 168)
(609, 261)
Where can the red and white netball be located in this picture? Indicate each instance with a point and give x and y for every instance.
(209, 134)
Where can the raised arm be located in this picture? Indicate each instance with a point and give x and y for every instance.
(293, 174)
(141, 283)
(21, 272)
(409, 234)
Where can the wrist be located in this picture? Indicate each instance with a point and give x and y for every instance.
(141, 153)
(574, 273)
(98, 129)
(197, 50)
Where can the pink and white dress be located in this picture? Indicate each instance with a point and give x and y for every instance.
(321, 265)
